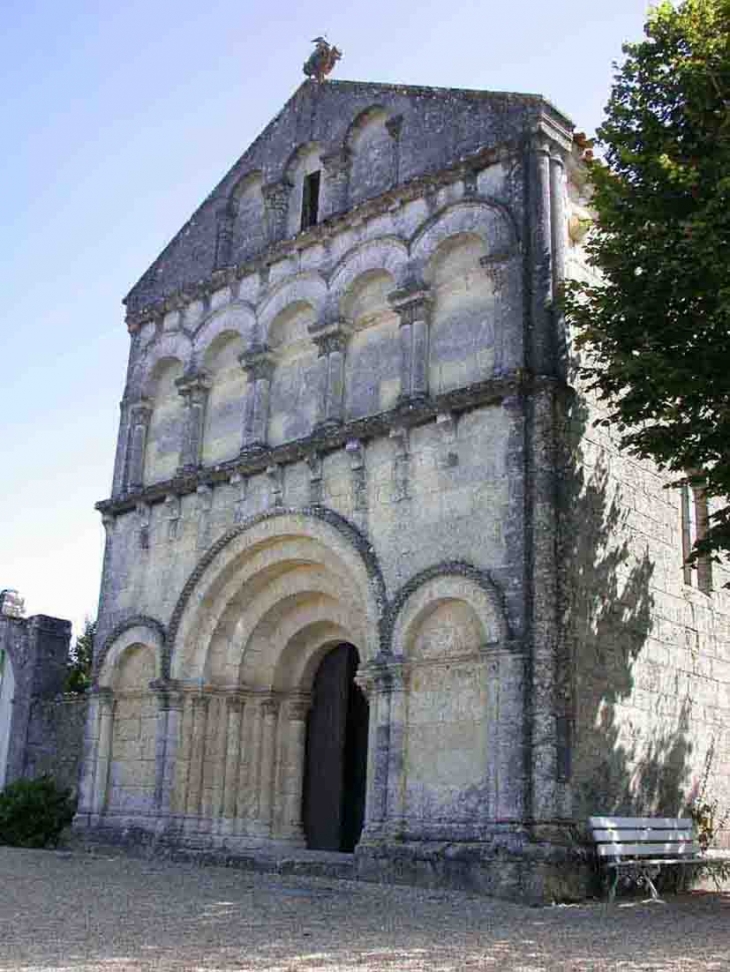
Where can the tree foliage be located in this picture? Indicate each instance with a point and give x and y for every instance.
(34, 812)
(81, 659)
(654, 332)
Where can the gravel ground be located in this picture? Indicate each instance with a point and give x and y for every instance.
(74, 911)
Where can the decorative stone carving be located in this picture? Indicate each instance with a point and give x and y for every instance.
(275, 475)
(314, 462)
(144, 514)
(354, 449)
(140, 414)
(172, 515)
(401, 466)
(240, 484)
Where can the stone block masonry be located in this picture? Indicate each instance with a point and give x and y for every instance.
(373, 582)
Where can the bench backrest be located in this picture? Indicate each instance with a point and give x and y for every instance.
(644, 837)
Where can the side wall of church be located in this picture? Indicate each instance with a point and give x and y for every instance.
(650, 652)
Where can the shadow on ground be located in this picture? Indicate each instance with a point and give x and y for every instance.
(83, 914)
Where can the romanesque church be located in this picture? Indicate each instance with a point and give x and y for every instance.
(374, 581)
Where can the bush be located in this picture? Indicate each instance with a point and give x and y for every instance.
(34, 812)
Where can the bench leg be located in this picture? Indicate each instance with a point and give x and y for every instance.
(614, 885)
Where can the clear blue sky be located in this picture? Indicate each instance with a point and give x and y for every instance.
(117, 120)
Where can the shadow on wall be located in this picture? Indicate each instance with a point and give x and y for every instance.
(631, 743)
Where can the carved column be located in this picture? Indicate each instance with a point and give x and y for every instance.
(169, 715)
(332, 343)
(336, 167)
(270, 709)
(234, 711)
(541, 350)
(376, 687)
(558, 230)
(295, 712)
(395, 684)
(413, 306)
(258, 363)
(276, 209)
(105, 702)
(139, 422)
(197, 754)
(87, 788)
(249, 782)
(194, 391)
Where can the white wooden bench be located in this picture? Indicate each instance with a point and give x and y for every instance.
(637, 848)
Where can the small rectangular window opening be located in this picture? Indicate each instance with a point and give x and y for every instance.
(695, 523)
(310, 200)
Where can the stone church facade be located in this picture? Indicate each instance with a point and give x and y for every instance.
(373, 582)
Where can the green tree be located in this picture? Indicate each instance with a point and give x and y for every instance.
(81, 659)
(653, 334)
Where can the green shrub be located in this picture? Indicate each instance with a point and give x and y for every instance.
(34, 812)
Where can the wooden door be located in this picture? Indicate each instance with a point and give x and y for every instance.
(336, 755)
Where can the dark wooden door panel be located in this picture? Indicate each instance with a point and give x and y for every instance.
(336, 755)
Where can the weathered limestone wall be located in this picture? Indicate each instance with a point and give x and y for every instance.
(42, 731)
(650, 653)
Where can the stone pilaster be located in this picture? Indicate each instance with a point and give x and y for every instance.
(105, 708)
(140, 414)
(200, 704)
(276, 209)
(413, 306)
(373, 681)
(331, 341)
(295, 728)
(194, 390)
(169, 718)
(394, 680)
(270, 711)
(234, 713)
(336, 167)
(541, 347)
(559, 231)
(258, 363)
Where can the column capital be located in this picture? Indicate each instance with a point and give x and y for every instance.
(297, 706)
(337, 161)
(169, 693)
(330, 337)
(269, 705)
(258, 362)
(411, 303)
(140, 411)
(549, 137)
(194, 385)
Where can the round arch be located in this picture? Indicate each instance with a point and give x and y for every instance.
(249, 561)
(139, 630)
(488, 220)
(453, 581)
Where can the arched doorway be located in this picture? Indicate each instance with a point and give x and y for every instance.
(336, 755)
